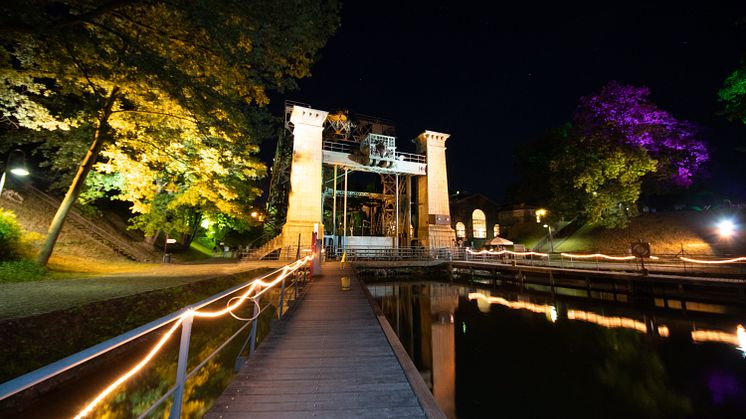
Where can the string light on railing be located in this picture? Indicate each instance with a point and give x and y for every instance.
(263, 286)
(597, 255)
(237, 317)
(734, 260)
(502, 252)
(257, 283)
(134, 370)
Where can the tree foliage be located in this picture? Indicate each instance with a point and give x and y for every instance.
(599, 178)
(733, 94)
(617, 140)
(626, 112)
(171, 93)
(10, 235)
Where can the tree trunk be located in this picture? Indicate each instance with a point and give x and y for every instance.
(152, 239)
(193, 222)
(77, 184)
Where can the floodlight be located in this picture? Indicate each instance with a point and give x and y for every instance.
(726, 228)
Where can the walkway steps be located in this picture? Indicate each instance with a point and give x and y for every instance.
(329, 357)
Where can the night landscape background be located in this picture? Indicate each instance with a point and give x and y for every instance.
(495, 77)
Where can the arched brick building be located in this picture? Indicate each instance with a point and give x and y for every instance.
(475, 218)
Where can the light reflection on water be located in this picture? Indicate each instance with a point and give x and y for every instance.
(487, 353)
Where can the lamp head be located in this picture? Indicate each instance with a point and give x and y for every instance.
(17, 163)
(19, 171)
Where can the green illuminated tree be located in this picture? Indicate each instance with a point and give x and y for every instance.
(599, 179)
(172, 93)
(733, 94)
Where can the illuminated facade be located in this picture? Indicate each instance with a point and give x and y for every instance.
(478, 216)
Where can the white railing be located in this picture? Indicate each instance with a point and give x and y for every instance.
(352, 147)
(249, 291)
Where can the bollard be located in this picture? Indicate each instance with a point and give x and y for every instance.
(344, 283)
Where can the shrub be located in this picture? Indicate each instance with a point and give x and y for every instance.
(21, 271)
(10, 236)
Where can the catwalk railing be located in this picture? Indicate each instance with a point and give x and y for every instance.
(295, 273)
(351, 147)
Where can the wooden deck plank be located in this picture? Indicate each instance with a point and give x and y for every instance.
(328, 358)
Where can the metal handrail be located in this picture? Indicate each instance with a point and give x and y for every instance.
(340, 146)
(343, 146)
(47, 372)
(411, 157)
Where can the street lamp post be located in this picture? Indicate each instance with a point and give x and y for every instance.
(16, 164)
(551, 241)
(542, 213)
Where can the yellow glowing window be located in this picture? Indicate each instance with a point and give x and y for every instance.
(460, 230)
(479, 224)
(496, 230)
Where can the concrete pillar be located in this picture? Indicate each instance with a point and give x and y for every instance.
(304, 205)
(434, 214)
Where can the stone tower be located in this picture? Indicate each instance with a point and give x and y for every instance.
(434, 213)
(304, 200)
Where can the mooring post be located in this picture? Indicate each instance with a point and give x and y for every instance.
(186, 333)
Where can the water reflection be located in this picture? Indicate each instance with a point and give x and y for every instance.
(488, 352)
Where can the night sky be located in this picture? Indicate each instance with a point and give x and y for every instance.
(496, 78)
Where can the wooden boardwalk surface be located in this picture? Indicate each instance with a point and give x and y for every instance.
(328, 358)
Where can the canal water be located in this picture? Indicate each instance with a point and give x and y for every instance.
(487, 351)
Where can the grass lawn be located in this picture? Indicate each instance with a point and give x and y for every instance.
(21, 299)
(667, 233)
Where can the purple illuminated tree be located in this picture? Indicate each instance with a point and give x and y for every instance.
(617, 140)
(624, 112)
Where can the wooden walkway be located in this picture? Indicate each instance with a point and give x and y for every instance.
(328, 358)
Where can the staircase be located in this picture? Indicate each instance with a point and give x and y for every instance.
(124, 247)
(264, 250)
(559, 236)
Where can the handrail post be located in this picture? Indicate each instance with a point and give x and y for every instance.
(296, 278)
(252, 337)
(186, 333)
(282, 298)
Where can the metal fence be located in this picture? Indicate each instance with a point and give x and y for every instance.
(388, 253)
(291, 279)
(283, 253)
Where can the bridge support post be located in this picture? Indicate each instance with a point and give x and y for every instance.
(186, 333)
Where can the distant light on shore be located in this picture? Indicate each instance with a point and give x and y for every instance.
(726, 228)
